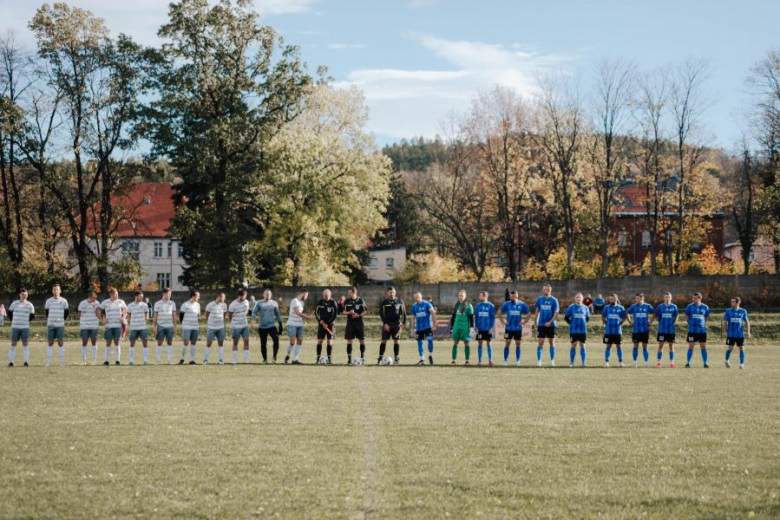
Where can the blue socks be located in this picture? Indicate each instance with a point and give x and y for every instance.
(635, 353)
(583, 354)
(506, 353)
(704, 355)
(479, 353)
(420, 347)
(430, 345)
(517, 353)
(572, 355)
(646, 355)
(539, 354)
(490, 352)
(671, 355)
(607, 353)
(552, 353)
(620, 353)
(659, 356)
(689, 356)
(741, 357)
(728, 354)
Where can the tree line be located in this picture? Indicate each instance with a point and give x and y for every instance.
(528, 186)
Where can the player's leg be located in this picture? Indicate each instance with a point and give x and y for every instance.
(454, 348)
(245, 336)
(479, 351)
(729, 349)
(221, 334)
(26, 347)
(420, 347)
(507, 344)
(193, 337)
(12, 350)
(61, 345)
(671, 355)
(145, 343)
(107, 335)
(704, 353)
(274, 342)
(540, 347)
(689, 354)
(397, 345)
(133, 338)
(659, 355)
(518, 350)
(645, 353)
(93, 340)
(490, 351)
(430, 347)
(572, 353)
(741, 354)
(298, 345)
(329, 347)
(291, 344)
(467, 349)
(84, 341)
(583, 354)
(635, 354)
(320, 339)
(264, 344)
(551, 341)
(619, 349)
(49, 344)
(235, 334)
(607, 350)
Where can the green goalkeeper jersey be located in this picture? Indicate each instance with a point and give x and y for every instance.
(463, 316)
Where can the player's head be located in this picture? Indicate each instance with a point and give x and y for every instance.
(113, 293)
(303, 294)
(326, 294)
(613, 299)
(547, 289)
(418, 297)
(22, 294)
(56, 290)
(267, 294)
(194, 296)
(513, 296)
(166, 294)
(578, 298)
(241, 295)
(589, 296)
(391, 292)
(92, 296)
(220, 297)
(667, 298)
(461, 296)
(735, 302)
(697, 298)
(352, 292)
(139, 296)
(639, 297)
(483, 296)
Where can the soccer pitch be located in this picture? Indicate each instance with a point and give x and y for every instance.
(391, 442)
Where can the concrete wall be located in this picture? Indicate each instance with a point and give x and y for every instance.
(756, 290)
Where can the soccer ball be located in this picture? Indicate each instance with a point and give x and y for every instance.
(387, 360)
(357, 361)
(323, 360)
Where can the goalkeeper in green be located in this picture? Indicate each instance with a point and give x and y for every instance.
(461, 323)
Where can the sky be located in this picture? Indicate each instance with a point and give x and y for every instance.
(418, 60)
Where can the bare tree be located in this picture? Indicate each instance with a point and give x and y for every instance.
(687, 104)
(609, 145)
(744, 209)
(561, 127)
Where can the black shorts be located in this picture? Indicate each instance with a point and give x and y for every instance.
(665, 338)
(697, 337)
(484, 335)
(545, 332)
(354, 330)
(516, 335)
(324, 334)
(613, 339)
(597, 309)
(740, 342)
(578, 338)
(423, 334)
(640, 337)
(394, 332)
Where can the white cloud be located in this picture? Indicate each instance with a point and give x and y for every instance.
(345, 46)
(271, 7)
(406, 103)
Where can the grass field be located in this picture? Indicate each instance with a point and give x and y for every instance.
(391, 442)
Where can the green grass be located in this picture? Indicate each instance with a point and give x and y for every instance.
(390, 442)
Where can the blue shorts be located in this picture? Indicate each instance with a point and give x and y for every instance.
(53, 333)
(189, 335)
(242, 332)
(295, 331)
(219, 334)
(164, 333)
(114, 333)
(20, 334)
(135, 334)
(88, 334)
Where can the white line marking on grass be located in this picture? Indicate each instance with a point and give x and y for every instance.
(368, 476)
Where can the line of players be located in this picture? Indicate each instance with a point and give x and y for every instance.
(466, 322)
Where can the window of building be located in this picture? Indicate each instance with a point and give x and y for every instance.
(646, 240)
(622, 239)
(170, 248)
(373, 263)
(131, 249)
(158, 249)
(181, 279)
(389, 263)
(180, 252)
(163, 280)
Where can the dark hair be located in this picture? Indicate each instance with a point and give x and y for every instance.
(512, 292)
(391, 288)
(737, 299)
(90, 293)
(353, 289)
(56, 285)
(166, 290)
(136, 293)
(697, 293)
(193, 293)
(640, 294)
(22, 289)
(303, 291)
(241, 292)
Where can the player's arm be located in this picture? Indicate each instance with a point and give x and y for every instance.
(500, 317)
(278, 315)
(492, 320)
(536, 315)
(155, 314)
(724, 325)
(567, 316)
(175, 320)
(747, 326)
(554, 317)
(403, 314)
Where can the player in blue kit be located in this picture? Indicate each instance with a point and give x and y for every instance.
(514, 310)
(696, 313)
(424, 313)
(485, 321)
(640, 315)
(547, 310)
(666, 315)
(736, 327)
(613, 316)
(577, 316)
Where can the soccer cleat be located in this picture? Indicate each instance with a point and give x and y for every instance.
(552, 363)
(192, 363)
(296, 362)
(181, 361)
(421, 362)
(490, 363)
(430, 360)
(131, 363)
(265, 361)
(349, 360)
(658, 365)
(479, 363)
(105, 363)
(117, 363)
(467, 362)
(647, 364)
(379, 360)
(606, 364)
(274, 361)
(205, 362)
(706, 366)
(687, 365)
(220, 362)
(621, 364)
(453, 362)
(330, 360)
(10, 364)
(146, 363)
(517, 364)
(506, 364)
(636, 365)
(728, 364)
(397, 360)
(741, 366)
(672, 365)
(286, 359)
(26, 364)
(539, 363)
(571, 365)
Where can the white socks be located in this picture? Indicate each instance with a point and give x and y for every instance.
(108, 354)
(235, 357)
(221, 351)
(49, 351)
(206, 352)
(62, 355)
(246, 356)
(183, 351)
(158, 354)
(132, 355)
(83, 353)
(26, 351)
(146, 355)
(192, 352)
(11, 354)
(170, 354)
(94, 353)
(297, 352)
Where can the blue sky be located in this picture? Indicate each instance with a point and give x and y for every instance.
(416, 60)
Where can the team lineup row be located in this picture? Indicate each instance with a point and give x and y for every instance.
(467, 323)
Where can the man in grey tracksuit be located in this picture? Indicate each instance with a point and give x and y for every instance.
(266, 311)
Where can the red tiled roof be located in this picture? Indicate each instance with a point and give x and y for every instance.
(146, 209)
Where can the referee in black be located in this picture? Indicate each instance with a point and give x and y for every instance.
(354, 309)
(392, 311)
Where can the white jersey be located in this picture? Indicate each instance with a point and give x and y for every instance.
(191, 311)
(56, 308)
(138, 312)
(293, 319)
(113, 312)
(165, 311)
(88, 319)
(216, 315)
(22, 311)
(239, 309)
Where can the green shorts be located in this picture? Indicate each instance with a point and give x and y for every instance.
(461, 334)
